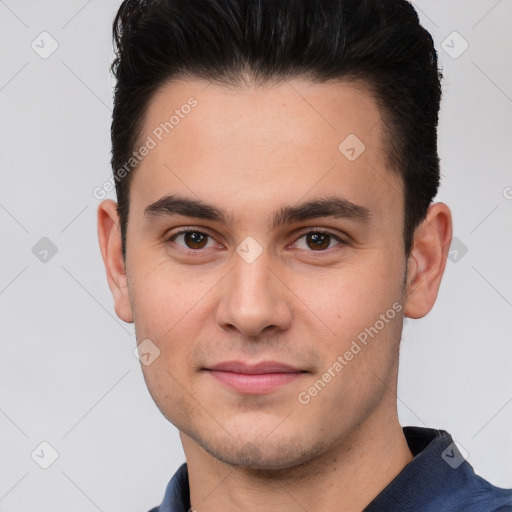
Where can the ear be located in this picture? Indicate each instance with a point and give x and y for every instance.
(427, 260)
(109, 234)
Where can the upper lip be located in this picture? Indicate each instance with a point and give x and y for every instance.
(254, 369)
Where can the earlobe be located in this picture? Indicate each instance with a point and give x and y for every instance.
(109, 235)
(427, 260)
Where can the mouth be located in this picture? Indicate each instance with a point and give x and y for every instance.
(254, 379)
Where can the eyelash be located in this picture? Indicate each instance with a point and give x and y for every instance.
(187, 251)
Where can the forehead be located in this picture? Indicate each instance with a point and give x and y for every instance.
(300, 113)
(262, 145)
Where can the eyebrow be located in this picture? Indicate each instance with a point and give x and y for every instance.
(332, 206)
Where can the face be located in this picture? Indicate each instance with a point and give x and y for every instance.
(262, 275)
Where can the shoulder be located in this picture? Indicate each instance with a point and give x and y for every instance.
(176, 497)
(479, 495)
(440, 479)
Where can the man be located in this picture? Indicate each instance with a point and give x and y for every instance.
(275, 165)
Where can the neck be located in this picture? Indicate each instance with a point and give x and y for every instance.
(346, 478)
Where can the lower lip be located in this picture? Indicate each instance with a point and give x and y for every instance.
(254, 384)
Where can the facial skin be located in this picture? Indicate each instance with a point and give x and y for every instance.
(251, 152)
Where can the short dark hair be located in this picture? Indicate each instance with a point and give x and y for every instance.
(379, 43)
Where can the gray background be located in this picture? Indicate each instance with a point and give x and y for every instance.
(68, 375)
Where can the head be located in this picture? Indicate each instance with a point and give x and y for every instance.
(297, 142)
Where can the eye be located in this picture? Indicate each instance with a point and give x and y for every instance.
(192, 238)
(318, 240)
(311, 241)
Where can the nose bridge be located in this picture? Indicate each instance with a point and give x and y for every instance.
(251, 277)
(254, 298)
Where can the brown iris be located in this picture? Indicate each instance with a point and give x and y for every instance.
(195, 239)
(319, 240)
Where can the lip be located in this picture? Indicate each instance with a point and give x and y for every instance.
(255, 369)
(254, 379)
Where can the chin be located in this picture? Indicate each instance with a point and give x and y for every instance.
(263, 455)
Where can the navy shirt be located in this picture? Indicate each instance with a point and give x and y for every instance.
(438, 479)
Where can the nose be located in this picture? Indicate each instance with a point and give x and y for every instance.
(255, 298)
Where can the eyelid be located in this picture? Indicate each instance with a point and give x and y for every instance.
(187, 229)
(169, 237)
(323, 231)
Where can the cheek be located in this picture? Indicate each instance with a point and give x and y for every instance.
(169, 390)
(161, 295)
(162, 318)
(164, 303)
(359, 361)
(343, 302)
